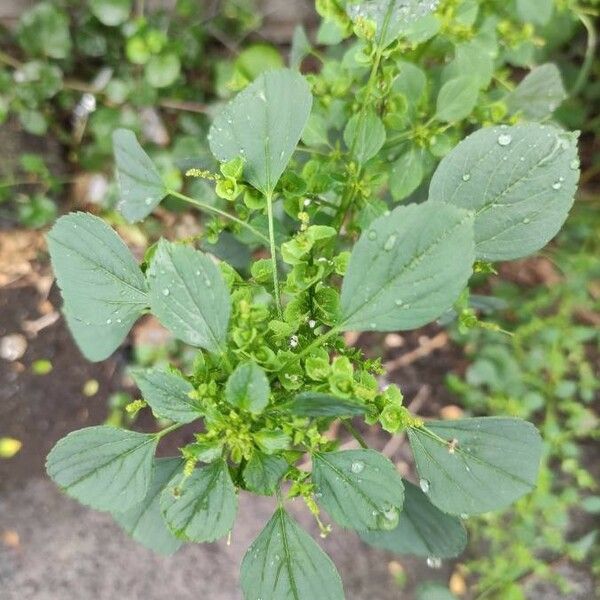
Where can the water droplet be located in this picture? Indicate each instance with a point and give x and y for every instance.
(372, 235)
(358, 466)
(464, 516)
(108, 321)
(504, 139)
(390, 242)
(388, 518)
(399, 302)
(148, 201)
(424, 485)
(433, 562)
(574, 164)
(556, 185)
(526, 221)
(166, 292)
(561, 178)
(466, 177)
(312, 323)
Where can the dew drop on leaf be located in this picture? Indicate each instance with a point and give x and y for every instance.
(466, 177)
(556, 185)
(504, 139)
(424, 485)
(433, 562)
(388, 519)
(372, 234)
(166, 292)
(390, 242)
(357, 466)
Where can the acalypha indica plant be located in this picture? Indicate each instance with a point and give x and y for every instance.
(302, 178)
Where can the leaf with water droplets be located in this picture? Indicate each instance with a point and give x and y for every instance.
(284, 562)
(104, 467)
(103, 288)
(392, 18)
(144, 521)
(422, 530)
(476, 465)
(538, 94)
(360, 489)
(263, 124)
(140, 185)
(520, 187)
(248, 388)
(418, 260)
(188, 295)
(168, 394)
(201, 507)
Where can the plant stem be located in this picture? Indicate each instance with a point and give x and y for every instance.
(355, 433)
(218, 211)
(588, 61)
(272, 246)
(317, 342)
(163, 432)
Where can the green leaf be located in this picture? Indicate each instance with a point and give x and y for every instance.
(144, 521)
(162, 70)
(423, 529)
(202, 507)
(284, 562)
(411, 81)
(103, 288)
(538, 12)
(407, 173)
(360, 489)
(188, 295)
(140, 185)
(315, 132)
(475, 57)
(254, 60)
(457, 98)
(391, 17)
(168, 394)
(418, 260)
(263, 124)
(301, 47)
(248, 388)
(104, 467)
(44, 31)
(364, 135)
(519, 181)
(263, 473)
(111, 12)
(317, 404)
(478, 465)
(538, 94)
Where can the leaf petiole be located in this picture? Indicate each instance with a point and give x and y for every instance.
(218, 211)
